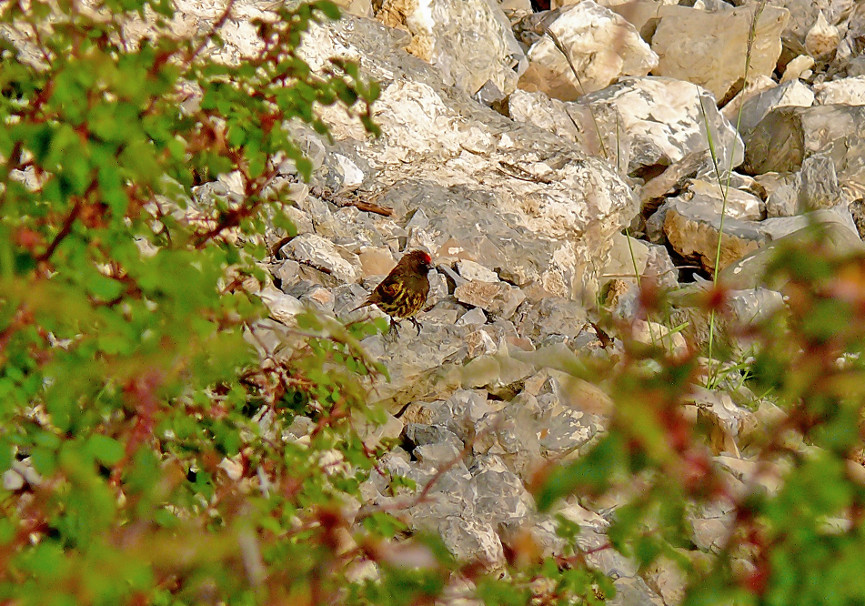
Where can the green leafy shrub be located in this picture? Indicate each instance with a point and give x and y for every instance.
(127, 382)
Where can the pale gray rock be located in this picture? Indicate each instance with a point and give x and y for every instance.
(726, 420)
(27, 177)
(799, 67)
(436, 455)
(439, 144)
(755, 86)
(473, 317)
(469, 41)
(607, 560)
(566, 429)
(849, 52)
(779, 227)
(804, 14)
(501, 496)
(633, 591)
(321, 254)
(767, 475)
(848, 157)
(550, 316)
(793, 93)
(602, 47)
(464, 409)
(426, 413)
(672, 179)
(420, 435)
(565, 119)
(817, 184)
(373, 434)
(783, 201)
(628, 259)
(648, 122)
(655, 224)
(450, 495)
(494, 370)
(476, 272)
(753, 305)
(302, 221)
(361, 8)
(665, 577)
(738, 204)
(512, 435)
(438, 290)
(693, 231)
(282, 307)
(783, 139)
(660, 267)
(472, 540)
(313, 295)
(419, 365)
(269, 336)
(451, 276)
(22, 473)
(396, 462)
(346, 298)
(846, 91)
(12, 480)
(711, 534)
(749, 271)
(481, 343)
(709, 49)
(496, 298)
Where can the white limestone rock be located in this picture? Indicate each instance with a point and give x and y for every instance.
(602, 47)
(658, 121)
(846, 91)
(755, 86)
(470, 42)
(709, 48)
(322, 254)
(794, 93)
(799, 67)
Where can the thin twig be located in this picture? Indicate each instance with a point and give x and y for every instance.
(561, 48)
(520, 173)
(368, 207)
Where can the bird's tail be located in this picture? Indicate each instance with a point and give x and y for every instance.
(366, 303)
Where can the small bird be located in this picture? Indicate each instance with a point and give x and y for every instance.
(404, 291)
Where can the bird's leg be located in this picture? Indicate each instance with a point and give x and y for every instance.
(417, 324)
(394, 327)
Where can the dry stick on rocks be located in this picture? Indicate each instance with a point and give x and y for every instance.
(520, 173)
(368, 207)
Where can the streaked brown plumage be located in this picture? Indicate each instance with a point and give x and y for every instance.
(404, 291)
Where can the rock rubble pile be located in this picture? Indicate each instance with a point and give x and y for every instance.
(518, 149)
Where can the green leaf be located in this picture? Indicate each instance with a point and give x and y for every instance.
(106, 450)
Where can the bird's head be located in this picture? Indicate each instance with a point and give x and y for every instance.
(418, 260)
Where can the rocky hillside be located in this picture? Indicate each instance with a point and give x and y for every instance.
(519, 148)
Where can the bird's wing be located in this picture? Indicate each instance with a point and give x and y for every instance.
(389, 289)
